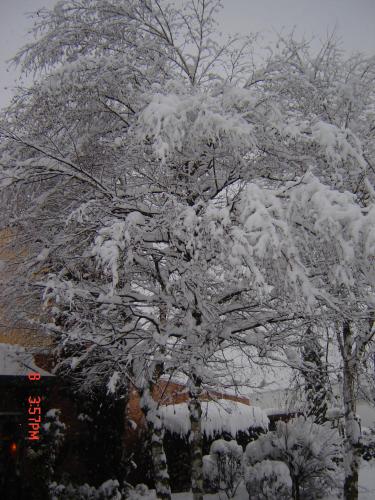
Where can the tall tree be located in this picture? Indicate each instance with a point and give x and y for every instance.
(183, 202)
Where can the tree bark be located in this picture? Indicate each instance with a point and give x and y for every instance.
(352, 427)
(196, 439)
(295, 488)
(316, 378)
(156, 435)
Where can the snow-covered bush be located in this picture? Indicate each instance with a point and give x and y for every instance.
(308, 449)
(222, 468)
(368, 444)
(53, 433)
(109, 490)
(52, 438)
(42, 454)
(139, 492)
(268, 480)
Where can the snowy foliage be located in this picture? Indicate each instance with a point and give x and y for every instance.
(139, 492)
(109, 490)
(309, 450)
(46, 452)
(267, 480)
(178, 203)
(222, 468)
(191, 211)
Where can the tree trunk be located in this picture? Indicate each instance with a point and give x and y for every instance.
(352, 427)
(295, 488)
(196, 439)
(316, 378)
(156, 435)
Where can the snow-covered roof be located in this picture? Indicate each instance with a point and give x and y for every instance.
(217, 417)
(16, 361)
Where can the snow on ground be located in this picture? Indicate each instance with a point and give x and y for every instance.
(241, 494)
(366, 487)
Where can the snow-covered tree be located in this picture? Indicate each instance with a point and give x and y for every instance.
(112, 78)
(309, 450)
(268, 479)
(185, 204)
(329, 101)
(222, 468)
(354, 339)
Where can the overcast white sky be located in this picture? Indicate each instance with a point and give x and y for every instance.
(354, 21)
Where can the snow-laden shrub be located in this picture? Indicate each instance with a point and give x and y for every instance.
(309, 450)
(139, 492)
(53, 433)
(367, 445)
(43, 454)
(52, 438)
(268, 480)
(109, 490)
(222, 468)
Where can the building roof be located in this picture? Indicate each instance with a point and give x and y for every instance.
(17, 361)
(217, 417)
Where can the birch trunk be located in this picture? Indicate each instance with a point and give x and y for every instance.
(156, 435)
(196, 440)
(352, 427)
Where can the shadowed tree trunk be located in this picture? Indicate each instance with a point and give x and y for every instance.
(196, 438)
(316, 378)
(155, 429)
(295, 488)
